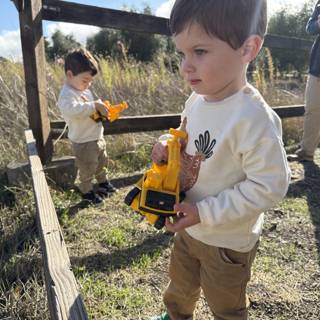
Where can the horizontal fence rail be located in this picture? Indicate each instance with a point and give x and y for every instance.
(64, 11)
(64, 299)
(158, 122)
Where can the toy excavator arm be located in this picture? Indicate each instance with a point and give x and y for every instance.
(113, 111)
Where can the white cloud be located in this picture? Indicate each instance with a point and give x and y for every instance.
(10, 45)
(277, 5)
(79, 31)
(273, 6)
(10, 42)
(165, 9)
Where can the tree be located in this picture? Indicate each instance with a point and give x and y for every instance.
(105, 43)
(291, 24)
(61, 45)
(124, 43)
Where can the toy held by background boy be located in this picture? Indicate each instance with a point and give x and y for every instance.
(81, 111)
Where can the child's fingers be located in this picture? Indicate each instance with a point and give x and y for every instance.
(181, 207)
(159, 154)
(179, 224)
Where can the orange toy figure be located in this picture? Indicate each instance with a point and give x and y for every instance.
(113, 111)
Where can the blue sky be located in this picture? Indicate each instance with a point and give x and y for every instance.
(9, 21)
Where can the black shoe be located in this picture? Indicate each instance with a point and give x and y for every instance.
(92, 197)
(106, 187)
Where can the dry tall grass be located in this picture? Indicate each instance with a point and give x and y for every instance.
(148, 88)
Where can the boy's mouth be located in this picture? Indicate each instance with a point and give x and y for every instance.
(194, 81)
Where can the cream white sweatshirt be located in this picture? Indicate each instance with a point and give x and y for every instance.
(76, 108)
(235, 167)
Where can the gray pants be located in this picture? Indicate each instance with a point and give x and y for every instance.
(91, 160)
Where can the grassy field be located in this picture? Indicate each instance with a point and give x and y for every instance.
(120, 261)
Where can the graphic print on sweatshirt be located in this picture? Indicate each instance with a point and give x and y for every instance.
(190, 164)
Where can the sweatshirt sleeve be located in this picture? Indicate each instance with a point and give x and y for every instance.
(312, 26)
(266, 183)
(72, 107)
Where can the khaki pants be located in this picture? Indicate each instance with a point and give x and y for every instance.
(91, 159)
(222, 274)
(311, 127)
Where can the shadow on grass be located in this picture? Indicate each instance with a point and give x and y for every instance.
(7, 197)
(310, 188)
(16, 242)
(21, 268)
(83, 204)
(13, 264)
(73, 210)
(123, 258)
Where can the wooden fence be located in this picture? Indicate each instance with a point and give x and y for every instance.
(63, 297)
(32, 13)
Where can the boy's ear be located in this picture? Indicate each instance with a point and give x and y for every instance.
(251, 48)
(69, 74)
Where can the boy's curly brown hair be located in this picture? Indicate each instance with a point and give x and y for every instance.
(80, 60)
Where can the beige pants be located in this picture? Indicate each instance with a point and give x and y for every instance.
(91, 159)
(311, 127)
(222, 274)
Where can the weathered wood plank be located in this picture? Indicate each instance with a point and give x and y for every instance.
(160, 122)
(35, 75)
(105, 18)
(289, 111)
(128, 124)
(64, 300)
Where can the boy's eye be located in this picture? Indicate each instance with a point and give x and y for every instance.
(200, 52)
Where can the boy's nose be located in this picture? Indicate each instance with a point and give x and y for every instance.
(186, 66)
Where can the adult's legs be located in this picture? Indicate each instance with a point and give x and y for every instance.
(311, 127)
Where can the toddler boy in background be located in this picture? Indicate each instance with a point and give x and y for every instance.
(77, 104)
(233, 166)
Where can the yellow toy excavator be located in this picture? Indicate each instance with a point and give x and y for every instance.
(113, 111)
(156, 193)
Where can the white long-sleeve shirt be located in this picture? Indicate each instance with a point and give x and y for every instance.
(239, 167)
(76, 107)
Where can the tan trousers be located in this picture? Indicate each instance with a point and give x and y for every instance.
(91, 159)
(222, 274)
(311, 127)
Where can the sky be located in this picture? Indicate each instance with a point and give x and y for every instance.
(10, 46)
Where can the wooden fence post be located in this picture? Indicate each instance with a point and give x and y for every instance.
(35, 74)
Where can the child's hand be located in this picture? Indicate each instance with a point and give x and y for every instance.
(159, 153)
(187, 216)
(101, 108)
